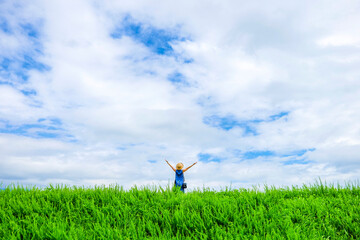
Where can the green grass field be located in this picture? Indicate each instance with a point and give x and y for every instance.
(60, 212)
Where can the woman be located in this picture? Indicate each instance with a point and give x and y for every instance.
(179, 174)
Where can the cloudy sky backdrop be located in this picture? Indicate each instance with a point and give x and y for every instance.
(100, 92)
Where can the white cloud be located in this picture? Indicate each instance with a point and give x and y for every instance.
(339, 40)
(250, 60)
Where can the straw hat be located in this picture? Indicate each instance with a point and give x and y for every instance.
(179, 166)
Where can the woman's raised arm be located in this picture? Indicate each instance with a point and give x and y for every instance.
(189, 167)
(170, 165)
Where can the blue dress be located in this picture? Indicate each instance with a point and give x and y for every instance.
(179, 179)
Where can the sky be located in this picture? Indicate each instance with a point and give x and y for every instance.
(102, 92)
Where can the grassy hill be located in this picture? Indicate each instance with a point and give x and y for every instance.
(60, 212)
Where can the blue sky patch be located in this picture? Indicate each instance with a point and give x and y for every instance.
(47, 135)
(15, 68)
(30, 30)
(206, 157)
(188, 60)
(52, 121)
(256, 154)
(29, 63)
(178, 79)
(4, 26)
(29, 92)
(296, 161)
(249, 126)
(10, 67)
(20, 67)
(152, 161)
(30, 130)
(229, 122)
(44, 128)
(5, 63)
(5, 68)
(156, 39)
(278, 116)
(294, 155)
(298, 153)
